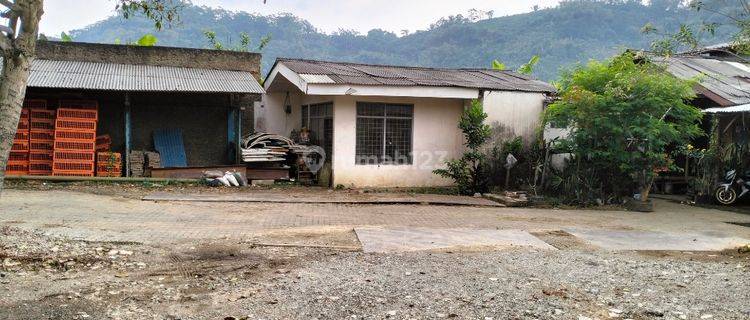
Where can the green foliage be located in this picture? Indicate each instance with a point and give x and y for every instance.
(156, 11)
(64, 37)
(148, 40)
(623, 116)
(572, 32)
(497, 65)
(243, 46)
(467, 172)
(715, 15)
(528, 67)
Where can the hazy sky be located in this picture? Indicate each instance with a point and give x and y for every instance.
(327, 15)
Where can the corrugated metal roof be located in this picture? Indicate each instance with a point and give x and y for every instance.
(728, 79)
(733, 109)
(365, 74)
(127, 77)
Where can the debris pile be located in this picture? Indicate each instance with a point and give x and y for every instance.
(266, 147)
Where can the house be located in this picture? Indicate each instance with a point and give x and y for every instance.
(206, 94)
(391, 126)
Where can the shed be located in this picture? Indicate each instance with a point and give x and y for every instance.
(206, 95)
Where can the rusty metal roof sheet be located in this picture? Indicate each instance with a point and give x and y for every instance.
(728, 79)
(365, 74)
(128, 77)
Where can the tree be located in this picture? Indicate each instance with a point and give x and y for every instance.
(733, 13)
(526, 68)
(623, 117)
(18, 46)
(467, 171)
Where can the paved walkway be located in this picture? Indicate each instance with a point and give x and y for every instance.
(108, 218)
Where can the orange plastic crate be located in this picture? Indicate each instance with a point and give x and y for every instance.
(77, 145)
(20, 145)
(108, 157)
(103, 147)
(75, 135)
(75, 125)
(103, 139)
(109, 174)
(19, 168)
(79, 104)
(42, 136)
(22, 135)
(18, 156)
(23, 125)
(42, 115)
(73, 156)
(40, 156)
(60, 173)
(73, 166)
(47, 146)
(35, 103)
(79, 114)
(42, 126)
(40, 168)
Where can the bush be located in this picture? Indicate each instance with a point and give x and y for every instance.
(468, 172)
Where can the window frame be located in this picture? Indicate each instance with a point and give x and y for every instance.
(383, 154)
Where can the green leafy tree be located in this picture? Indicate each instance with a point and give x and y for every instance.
(734, 14)
(467, 171)
(623, 116)
(526, 68)
(243, 46)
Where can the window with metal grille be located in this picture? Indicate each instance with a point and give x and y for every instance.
(318, 118)
(384, 133)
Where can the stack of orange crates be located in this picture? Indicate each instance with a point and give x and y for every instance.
(103, 143)
(75, 139)
(18, 161)
(41, 138)
(108, 164)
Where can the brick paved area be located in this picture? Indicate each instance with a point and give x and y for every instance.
(107, 218)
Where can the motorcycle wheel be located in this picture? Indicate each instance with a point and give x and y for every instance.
(725, 196)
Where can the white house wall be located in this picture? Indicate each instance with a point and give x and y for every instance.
(516, 113)
(270, 114)
(436, 138)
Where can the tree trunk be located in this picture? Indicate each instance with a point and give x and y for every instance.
(18, 52)
(646, 189)
(15, 74)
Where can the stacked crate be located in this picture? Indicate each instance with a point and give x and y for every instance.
(108, 164)
(103, 143)
(18, 161)
(75, 139)
(41, 138)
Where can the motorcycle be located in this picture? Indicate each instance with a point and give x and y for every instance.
(727, 192)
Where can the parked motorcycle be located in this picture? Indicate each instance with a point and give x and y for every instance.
(733, 188)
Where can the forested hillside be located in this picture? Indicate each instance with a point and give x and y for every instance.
(574, 31)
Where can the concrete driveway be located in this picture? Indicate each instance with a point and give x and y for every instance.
(111, 218)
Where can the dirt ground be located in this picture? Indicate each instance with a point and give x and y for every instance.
(304, 262)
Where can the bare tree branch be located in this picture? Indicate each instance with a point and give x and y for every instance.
(10, 5)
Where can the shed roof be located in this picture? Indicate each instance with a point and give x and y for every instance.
(727, 79)
(131, 77)
(326, 72)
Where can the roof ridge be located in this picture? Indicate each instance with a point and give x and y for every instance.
(391, 66)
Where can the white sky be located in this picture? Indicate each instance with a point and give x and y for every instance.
(326, 15)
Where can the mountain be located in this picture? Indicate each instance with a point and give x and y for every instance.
(574, 31)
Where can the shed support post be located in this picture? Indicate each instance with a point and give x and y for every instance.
(238, 142)
(127, 134)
